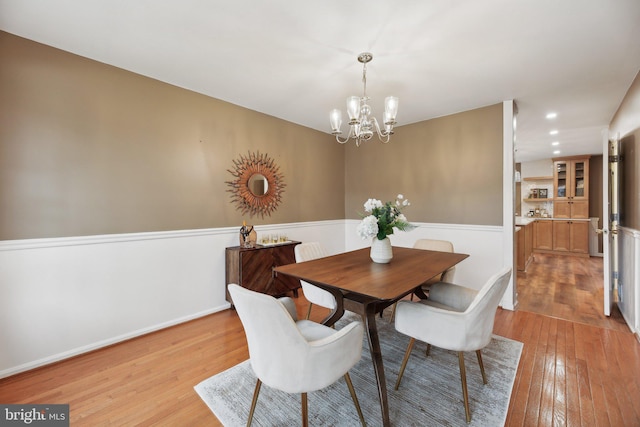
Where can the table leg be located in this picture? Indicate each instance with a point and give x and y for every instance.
(376, 358)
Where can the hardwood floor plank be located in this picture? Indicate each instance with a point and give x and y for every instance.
(571, 380)
(534, 401)
(560, 377)
(548, 374)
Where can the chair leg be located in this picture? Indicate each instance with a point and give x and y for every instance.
(305, 412)
(256, 392)
(412, 341)
(463, 378)
(484, 376)
(352, 390)
(309, 310)
(428, 349)
(393, 311)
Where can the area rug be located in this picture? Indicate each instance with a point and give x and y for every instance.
(430, 393)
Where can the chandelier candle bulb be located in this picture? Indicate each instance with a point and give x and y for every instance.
(391, 109)
(353, 109)
(336, 121)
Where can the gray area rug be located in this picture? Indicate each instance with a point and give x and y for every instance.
(430, 393)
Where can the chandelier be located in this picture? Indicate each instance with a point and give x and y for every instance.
(361, 123)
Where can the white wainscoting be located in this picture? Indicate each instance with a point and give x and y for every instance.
(629, 277)
(65, 296)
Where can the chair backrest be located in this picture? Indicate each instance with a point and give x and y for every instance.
(309, 250)
(481, 312)
(434, 245)
(274, 341)
(306, 252)
(440, 246)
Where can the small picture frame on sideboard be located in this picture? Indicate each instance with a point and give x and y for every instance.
(542, 193)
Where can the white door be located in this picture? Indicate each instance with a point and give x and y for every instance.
(606, 244)
(610, 213)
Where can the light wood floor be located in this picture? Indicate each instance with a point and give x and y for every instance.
(570, 373)
(569, 288)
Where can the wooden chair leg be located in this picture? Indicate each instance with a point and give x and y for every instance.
(352, 390)
(484, 376)
(428, 349)
(393, 311)
(309, 310)
(463, 378)
(412, 341)
(305, 412)
(256, 392)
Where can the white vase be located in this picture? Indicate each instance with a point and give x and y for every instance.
(381, 250)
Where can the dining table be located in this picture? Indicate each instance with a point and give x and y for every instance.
(367, 288)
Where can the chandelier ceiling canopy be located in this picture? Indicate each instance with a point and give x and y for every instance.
(361, 123)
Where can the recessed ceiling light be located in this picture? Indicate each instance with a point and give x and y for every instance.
(555, 143)
(556, 152)
(553, 132)
(552, 115)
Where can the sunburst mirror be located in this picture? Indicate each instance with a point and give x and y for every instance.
(257, 186)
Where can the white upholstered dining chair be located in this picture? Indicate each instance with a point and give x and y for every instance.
(454, 318)
(446, 276)
(294, 356)
(306, 252)
(441, 246)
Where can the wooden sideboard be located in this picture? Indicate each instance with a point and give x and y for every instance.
(252, 268)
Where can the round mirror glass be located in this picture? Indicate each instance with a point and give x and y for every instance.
(258, 184)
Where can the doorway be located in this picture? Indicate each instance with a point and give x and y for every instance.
(569, 287)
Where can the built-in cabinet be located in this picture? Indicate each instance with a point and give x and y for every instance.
(571, 188)
(571, 236)
(543, 235)
(252, 268)
(567, 232)
(524, 241)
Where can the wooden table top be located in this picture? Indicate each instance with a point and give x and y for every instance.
(355, 271)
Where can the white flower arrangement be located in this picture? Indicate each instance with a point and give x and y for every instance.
(383, 218)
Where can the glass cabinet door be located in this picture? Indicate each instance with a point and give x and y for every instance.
(580, 174)
(561, 178)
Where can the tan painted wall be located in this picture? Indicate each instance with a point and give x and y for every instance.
(626, 122)
(87, 148)
(450, 168)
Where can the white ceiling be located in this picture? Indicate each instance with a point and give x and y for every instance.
(297, 59)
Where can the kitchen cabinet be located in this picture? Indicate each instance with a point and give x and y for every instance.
(543, 235)
(525, 246)
(571, 178)
(571, 188)
(571, 202)
(252, 268)
(576, 209)
(571, 236)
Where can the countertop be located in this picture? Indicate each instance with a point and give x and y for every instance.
(524, 220)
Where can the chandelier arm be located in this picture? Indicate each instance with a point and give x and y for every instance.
(341, 141)
(383, 136)
(350, 135)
